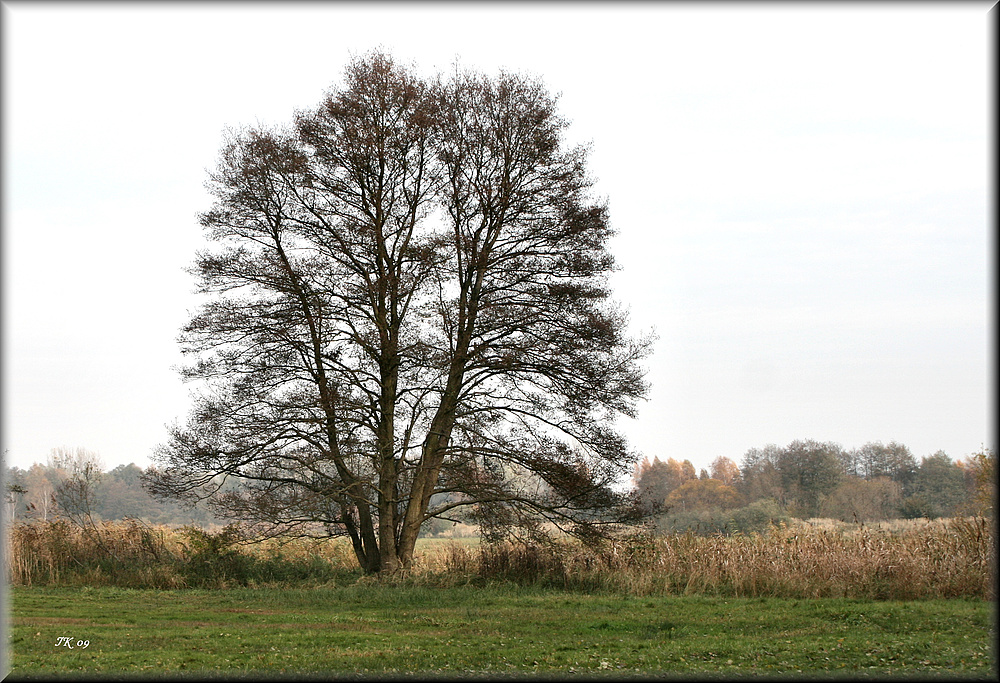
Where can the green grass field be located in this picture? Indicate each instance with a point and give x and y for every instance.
(378, 629)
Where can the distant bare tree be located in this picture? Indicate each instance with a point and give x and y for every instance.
(893, 460)
(79, 472)
(41, 498)
(760, 478)
(12, 496)
(409, 303)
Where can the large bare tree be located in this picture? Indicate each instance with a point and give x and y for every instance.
(406, 317)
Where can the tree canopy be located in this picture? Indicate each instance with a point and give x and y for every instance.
(407, 302)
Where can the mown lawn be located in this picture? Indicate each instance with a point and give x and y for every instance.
(378, 629)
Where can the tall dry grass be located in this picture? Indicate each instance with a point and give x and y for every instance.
(955, 559)
(950, 559)
(128, 554)
(131, 554)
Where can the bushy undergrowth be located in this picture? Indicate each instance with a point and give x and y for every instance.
(952, 559)
(758, 517)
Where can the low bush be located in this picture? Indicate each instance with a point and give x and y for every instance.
(758, 517)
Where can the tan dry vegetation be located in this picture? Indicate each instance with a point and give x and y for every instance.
(56, 552)
(911, 560)
(931, 560)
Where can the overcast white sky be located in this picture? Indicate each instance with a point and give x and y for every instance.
(800, 192)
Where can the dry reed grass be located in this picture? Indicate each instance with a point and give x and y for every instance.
(127, 554)
(948, 559)
(954, 559)
(131, 554)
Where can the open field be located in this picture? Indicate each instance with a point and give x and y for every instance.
(379, 629)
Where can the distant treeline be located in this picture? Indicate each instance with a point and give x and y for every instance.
(72, 484)
(805, 479)
(808, 479)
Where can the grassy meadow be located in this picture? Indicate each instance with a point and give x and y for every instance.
(897, 599)
(381, 629)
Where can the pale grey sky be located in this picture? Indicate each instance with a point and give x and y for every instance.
(800, 192)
